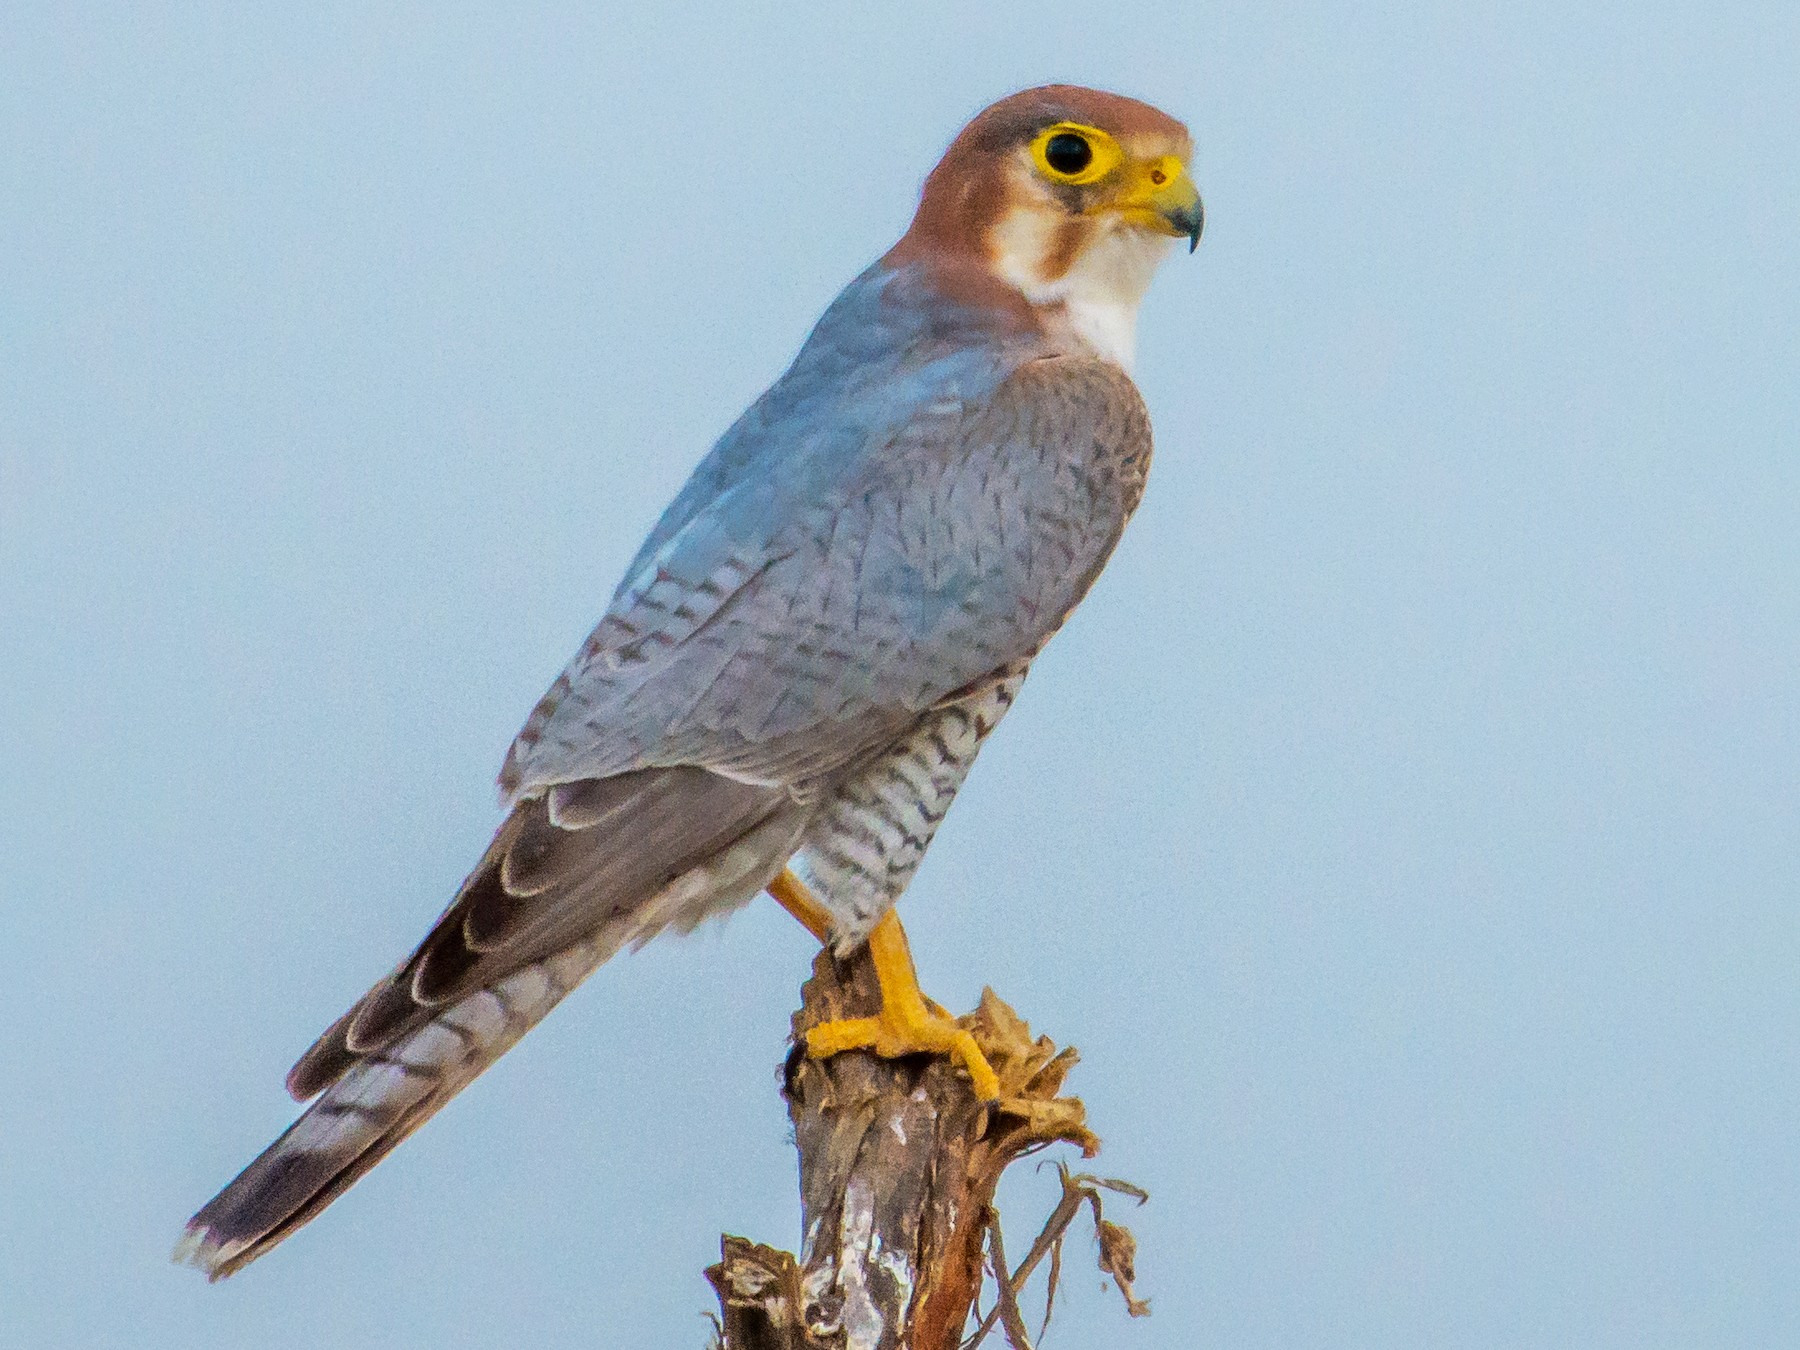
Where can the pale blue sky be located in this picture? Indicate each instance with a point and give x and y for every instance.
(1407, 830)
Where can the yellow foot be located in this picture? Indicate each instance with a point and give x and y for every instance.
(908, 1023)
(891, 1038)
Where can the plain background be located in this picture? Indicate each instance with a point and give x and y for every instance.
(1405, 830)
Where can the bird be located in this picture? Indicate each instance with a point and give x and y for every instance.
(802, 661)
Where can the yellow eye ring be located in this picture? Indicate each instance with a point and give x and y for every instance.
(1069, 152)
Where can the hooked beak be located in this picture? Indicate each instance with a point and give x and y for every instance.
(1165, 199)
(1189, 219)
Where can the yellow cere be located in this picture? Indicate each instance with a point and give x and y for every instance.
(1106, 154)
(1163, 171)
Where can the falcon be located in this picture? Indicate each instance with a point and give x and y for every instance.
(804, 658)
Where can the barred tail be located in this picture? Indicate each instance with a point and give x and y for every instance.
(379, 1100)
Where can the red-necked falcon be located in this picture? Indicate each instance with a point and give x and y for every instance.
(805, 656)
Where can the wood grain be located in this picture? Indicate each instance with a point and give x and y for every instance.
(898, 1166)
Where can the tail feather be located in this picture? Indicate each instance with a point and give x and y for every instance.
(376, 1103)
(372, 1095)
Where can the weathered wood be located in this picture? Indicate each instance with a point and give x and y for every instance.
(898, 1166)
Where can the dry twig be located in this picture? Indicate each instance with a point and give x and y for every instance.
(898, 1167)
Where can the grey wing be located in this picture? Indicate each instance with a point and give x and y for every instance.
(954, 547)
(775, 644)
(732, 679)
(733, 676)
(589, 859)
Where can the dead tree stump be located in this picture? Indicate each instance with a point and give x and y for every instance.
(898, 1166)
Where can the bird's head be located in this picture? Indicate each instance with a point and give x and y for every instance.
(1068, 197)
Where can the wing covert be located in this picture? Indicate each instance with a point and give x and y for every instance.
(787, 628)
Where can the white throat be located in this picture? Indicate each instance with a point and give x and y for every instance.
(1099, 294)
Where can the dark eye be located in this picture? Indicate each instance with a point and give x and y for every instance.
(1068, 153)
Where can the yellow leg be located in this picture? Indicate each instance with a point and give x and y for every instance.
(906, 1025)
(909, 1023)
(791, 894)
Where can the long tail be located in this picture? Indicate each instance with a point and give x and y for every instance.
(571, 878)
(378, 1101)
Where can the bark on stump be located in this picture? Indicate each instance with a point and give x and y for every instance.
(898, 1166)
